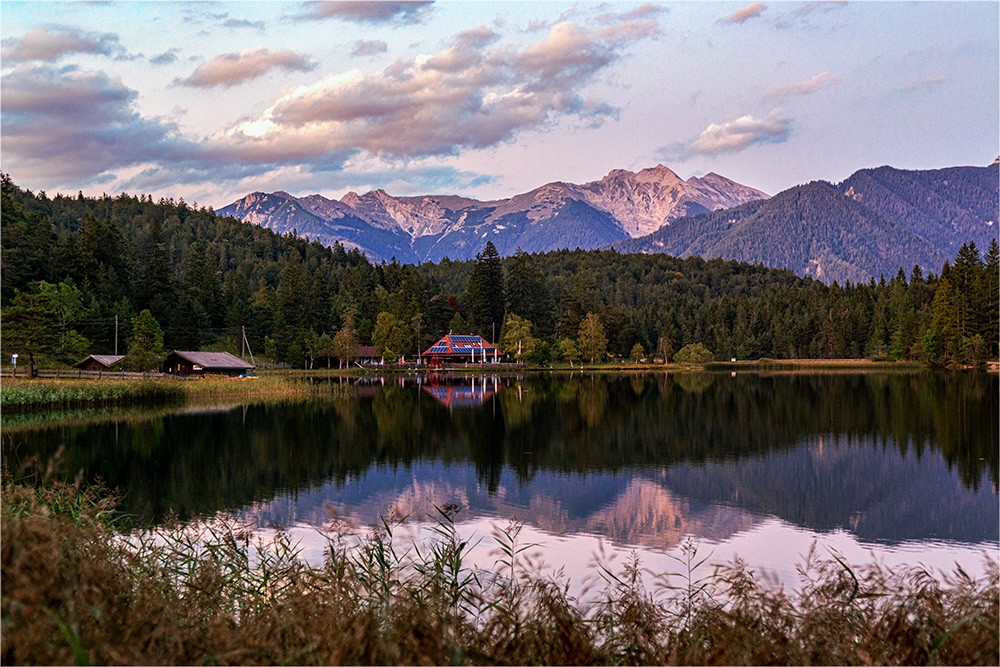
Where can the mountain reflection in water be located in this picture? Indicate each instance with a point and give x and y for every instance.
(639, 459)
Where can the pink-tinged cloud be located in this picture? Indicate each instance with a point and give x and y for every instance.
(42, 44)
(745, 14)
(818, 82)
(733, 136)
(823, 7)
(924, 83)
(367, 12)
(472, 94)
(66, 126)
(231, 69)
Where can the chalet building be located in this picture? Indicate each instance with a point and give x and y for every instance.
(205, 363)
(461, 349)
(99, 362)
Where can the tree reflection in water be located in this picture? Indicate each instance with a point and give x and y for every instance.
(887, 456)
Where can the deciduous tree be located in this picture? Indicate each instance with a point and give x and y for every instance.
(145, 351)
(592, 340)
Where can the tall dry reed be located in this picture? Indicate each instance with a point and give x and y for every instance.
(78, 587)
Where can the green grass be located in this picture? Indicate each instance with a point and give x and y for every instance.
(77, 588)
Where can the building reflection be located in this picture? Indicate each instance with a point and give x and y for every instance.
(462, 392)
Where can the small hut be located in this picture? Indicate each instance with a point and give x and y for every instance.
(99, 362)
(181, 362)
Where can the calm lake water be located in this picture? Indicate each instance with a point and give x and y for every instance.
(899, 468)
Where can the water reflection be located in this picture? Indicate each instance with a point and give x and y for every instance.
(638, 459)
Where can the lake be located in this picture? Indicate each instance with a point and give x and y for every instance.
(899, 468)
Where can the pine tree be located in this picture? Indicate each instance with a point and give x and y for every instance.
(201, 283)
(486, 293)
(944, 323)
(291, 289)
(990, 296)
(528, 292)
(156, 290)
(40, 324)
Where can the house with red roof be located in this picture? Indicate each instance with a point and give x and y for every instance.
(468, 349)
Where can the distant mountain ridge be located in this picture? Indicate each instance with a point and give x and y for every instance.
(557, 215)
(874, 223)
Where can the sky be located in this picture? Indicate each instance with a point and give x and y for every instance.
(209, 101)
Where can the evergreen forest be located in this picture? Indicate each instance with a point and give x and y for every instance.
(125, 273)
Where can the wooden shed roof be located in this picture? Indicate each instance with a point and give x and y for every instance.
(209, 360)
(107, 360)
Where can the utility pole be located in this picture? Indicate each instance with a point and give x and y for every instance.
(116, 334)
(243, 333)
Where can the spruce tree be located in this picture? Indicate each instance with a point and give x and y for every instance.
(528, 292)
(989, 294)
(486, 293)
(156, 290)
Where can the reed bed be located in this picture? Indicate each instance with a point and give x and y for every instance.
(78, 587)
(24, 395)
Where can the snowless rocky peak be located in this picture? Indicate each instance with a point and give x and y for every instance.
(644, 201)
(640, 202)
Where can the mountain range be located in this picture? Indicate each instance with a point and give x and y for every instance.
(875, 222)
(620, 206)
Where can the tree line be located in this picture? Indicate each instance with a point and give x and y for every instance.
(173, 275)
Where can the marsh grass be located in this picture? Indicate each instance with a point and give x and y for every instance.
(79, 587)
(22, 395)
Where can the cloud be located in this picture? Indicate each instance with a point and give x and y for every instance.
(745, 14)
(243, 23)
(369, 47)
(368, 12)
(823, 7)
(231, 69)
(74, 125)
(733, 136)
(42, 44)
(472, 94)
(67, 127)
(924, 83)
(165, 58)
(818, 82)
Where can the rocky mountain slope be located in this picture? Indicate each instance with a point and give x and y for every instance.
(622, 205)
(874, 223)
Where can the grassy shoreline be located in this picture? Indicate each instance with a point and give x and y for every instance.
(75, 592)
(23, 395)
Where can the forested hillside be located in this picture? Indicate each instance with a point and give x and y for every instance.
(72, 264)
(947, 207)
(869, 225)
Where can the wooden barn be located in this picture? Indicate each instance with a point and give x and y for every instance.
(99, 362)
(205, 363)
(461, 349)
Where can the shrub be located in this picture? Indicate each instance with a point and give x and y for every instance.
(695, 353)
